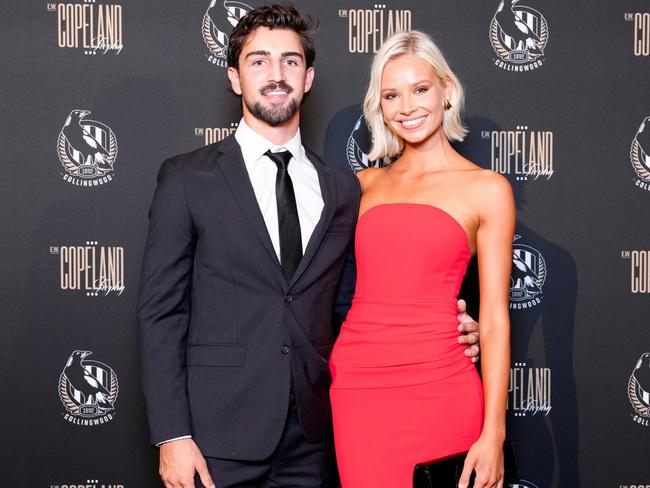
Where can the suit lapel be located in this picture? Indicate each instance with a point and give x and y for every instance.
(328, 192)
(231, 163)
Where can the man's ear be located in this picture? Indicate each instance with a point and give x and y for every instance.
(233, 76)
(309, 78)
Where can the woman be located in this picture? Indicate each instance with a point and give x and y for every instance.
(403, 391)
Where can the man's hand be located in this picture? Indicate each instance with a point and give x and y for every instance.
(179, 460)
(469, 331)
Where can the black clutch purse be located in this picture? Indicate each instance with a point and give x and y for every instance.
(445, 472)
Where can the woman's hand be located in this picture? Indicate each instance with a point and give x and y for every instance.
(485, 457)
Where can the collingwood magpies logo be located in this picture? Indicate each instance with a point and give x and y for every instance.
(640, 154)
(528, 276)
(519, 35)
(88, 390)
(358, 147)
(638, 388)
(218, 20)
(87, 150)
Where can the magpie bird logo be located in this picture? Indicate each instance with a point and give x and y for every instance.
(638, 386)
(218, 20)
(86, 148)
(528, 276)
(358, 147)
(519, 35)
(88, 389)
(640, 151)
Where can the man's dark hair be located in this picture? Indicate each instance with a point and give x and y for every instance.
(273, 17)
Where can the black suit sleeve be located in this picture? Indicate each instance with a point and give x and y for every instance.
(347, 283)
(164, 307)
(345, 291)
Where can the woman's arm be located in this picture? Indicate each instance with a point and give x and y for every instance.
(495, 204)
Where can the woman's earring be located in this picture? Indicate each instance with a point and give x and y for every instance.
(446, 104)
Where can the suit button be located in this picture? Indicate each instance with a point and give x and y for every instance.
(289, 298)
(285, 349)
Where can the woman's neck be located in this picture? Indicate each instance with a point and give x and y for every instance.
(433, 154)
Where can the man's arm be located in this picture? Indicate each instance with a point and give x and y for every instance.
(163, 317)
(347, 282)
(345, 291)
(164, 307)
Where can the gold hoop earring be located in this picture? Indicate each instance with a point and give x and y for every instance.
(446, 104)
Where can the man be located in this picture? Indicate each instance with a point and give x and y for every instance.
(246, 245)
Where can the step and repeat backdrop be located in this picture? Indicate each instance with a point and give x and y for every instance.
(96, 94)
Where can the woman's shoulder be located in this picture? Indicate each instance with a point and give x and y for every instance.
(491, 192)
(491, 183)
(483, 176)
(484, 185)
(480, 178)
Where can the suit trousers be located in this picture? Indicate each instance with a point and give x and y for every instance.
(294, 463)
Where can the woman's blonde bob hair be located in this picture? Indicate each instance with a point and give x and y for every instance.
(386, 144)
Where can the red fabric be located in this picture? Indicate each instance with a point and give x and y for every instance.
(403, 390)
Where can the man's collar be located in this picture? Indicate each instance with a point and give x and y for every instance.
(254, 145)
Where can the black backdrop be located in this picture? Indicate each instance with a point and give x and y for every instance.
(562, 120)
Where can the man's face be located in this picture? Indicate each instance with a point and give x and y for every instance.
(272, 77)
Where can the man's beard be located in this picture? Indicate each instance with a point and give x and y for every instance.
(273, 115)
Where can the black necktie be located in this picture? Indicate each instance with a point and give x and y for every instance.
(289, 225)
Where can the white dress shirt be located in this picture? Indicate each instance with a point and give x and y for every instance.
(262, 172)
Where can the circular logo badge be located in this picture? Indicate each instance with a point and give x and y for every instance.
(640, 151)
(218, 20)
(528, 276)
(88, 389)
(638, 386)
(87, 149)
(519, 35)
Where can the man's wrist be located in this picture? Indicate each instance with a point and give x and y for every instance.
(174, 439)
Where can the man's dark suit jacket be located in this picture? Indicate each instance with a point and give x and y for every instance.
(222, 333)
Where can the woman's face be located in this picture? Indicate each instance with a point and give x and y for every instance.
(412, 98)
